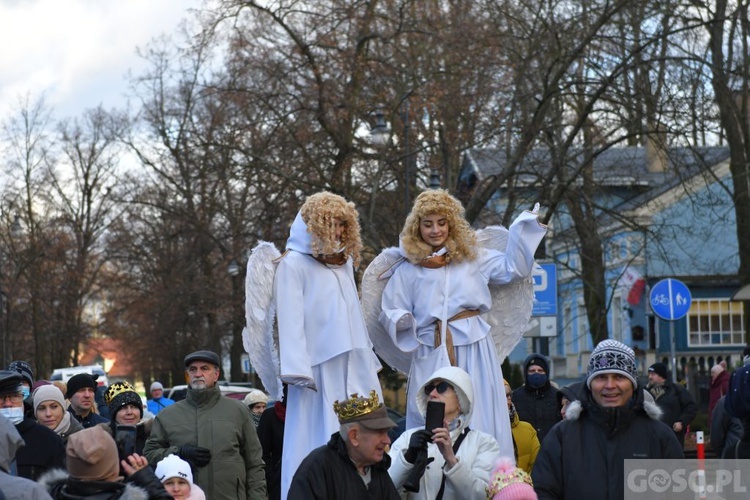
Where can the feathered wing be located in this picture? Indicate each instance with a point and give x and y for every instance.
(259, 337)
(511, 303)
(374, 281)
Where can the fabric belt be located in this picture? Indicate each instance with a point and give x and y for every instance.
(466, 313)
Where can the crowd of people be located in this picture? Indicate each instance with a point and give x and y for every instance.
(329, 435)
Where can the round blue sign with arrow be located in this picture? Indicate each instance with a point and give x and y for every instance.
(670, 299)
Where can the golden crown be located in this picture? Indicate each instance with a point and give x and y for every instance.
(356, 406)
(115, 389)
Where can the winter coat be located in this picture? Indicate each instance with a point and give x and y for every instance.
(74, 426)
(271, 436)
(43, 450)
(726, 430)
(156, 405)
(328, 473)
(223, 425)
(143, 485)
(14, 487)
(539, 407)
(526, 443)
(718, 388)
(583, 456)
(477, 454)
(89, 420)
(677, 405)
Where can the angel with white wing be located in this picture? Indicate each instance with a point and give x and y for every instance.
(323, 348)
(436, 300)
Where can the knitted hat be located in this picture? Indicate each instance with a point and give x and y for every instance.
(48, 393)
(156, 385)
(78, 382)
(660, 369)
(173, 466)
(120, 394)
(24, 369)
(92, 455)
(611, 356)
(255, 396)
(508, 482)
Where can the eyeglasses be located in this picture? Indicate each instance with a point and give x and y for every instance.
(14, 398)
(441, 387)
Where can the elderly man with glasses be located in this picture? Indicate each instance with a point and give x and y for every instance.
(43, 448)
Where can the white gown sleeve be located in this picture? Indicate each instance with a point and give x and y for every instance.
(396, 316)
(290, 306)
(517, 261)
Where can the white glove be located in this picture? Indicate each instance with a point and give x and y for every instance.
(405, 322)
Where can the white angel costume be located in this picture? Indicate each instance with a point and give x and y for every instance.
(326, 354)
(417, 297)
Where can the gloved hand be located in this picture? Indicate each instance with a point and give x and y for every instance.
(405, 322)
(418, 443)
(196, 455)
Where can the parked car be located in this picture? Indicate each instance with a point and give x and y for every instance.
(178, 392)
(97, 371)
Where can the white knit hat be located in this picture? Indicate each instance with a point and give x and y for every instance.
(48, 393)
(255, 396)
(173, 466)
(611, 356)
(156, 385)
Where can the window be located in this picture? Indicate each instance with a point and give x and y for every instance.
(715, 322)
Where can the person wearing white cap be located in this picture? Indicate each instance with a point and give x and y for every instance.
(256, 400)
(583, 456)
(177, 478)
(49, 410)
(157, 402)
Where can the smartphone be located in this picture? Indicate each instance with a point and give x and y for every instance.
(435, 415)
(125, 439)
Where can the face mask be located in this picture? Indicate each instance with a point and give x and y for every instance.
(536, 380)
(15, 415)
(26, 392)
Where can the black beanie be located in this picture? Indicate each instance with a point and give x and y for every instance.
(78, 382)
(122, 399)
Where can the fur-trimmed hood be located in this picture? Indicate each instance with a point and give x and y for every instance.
(58, 481)
(643, 402)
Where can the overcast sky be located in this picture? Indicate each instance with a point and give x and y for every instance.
(78, 52)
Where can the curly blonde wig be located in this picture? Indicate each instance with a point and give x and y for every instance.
(462, 240)
(319, 211)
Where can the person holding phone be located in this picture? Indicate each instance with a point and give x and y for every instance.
(130, 423)
(460, 459)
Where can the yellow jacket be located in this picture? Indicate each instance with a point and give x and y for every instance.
(526, 443)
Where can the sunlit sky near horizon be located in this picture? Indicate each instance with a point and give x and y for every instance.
(77, 53)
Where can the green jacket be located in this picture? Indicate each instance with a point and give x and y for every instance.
(223, 425)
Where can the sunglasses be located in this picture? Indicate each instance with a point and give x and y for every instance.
(441, 387)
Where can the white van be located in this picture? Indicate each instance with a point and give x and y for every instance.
(64, 374)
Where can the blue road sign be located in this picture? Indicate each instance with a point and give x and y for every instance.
(545, 290)
(670, 299)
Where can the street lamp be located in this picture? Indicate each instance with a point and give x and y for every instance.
(236, 315)
(233, 268)
(380, 134)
